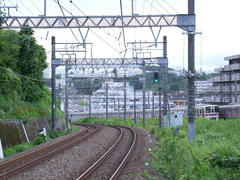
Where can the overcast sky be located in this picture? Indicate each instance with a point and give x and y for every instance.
(216, 19)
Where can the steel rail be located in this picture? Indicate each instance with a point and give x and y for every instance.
(62, 148)
(8, 163)
(102, 158)
(127, 156)
(107, 154)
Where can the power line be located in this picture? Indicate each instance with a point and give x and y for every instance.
(124, 40)
(26, 7)
(20, 75)
(65, 16)
(170, 6)
(95, 33)
(90, 29)
(35, 6)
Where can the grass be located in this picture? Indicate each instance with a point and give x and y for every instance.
(214, 155)
(38, 140)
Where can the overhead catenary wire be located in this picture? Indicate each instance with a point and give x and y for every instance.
(36, 6)
(124, 40)
(94, 32)
(26, 7)
(65, 16)
(90, 29)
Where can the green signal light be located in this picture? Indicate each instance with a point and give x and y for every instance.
(155, 77)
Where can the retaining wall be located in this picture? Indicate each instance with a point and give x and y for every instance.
(12, 133)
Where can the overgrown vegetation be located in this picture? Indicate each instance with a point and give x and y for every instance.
(38, 140)
(23, 93)
(214, 155)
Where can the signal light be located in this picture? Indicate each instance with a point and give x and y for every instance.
(155, 77)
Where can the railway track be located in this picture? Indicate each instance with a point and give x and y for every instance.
(27, 160)
(111, 163)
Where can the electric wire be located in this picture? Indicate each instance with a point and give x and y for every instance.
(91, 30)
(26, 7)
(94, 32)
(65, 16)
(20, 75)
(124, 40)
(162, 7)
(36, 6)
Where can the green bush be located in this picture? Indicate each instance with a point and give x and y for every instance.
(224, 157)
(55, 134)
(39, 139)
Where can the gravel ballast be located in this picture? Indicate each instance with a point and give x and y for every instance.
(72, 162)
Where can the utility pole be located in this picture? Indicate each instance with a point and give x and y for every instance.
(53, 84)
(148, 101)
(67, 68)
(165, 71)
(106, 101)
(118, 107)
(191, 72)
(45, 7)
(125, 98)
(144, 93)
(89, 105)
(114, 103)
(135, 112)
(132, 8)
(160, 106)
(152, 104)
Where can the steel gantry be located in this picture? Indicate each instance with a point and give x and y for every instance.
(183, 21)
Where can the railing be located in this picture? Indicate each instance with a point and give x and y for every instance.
(232, 67)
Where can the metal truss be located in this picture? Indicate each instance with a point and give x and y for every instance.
(184, 21)
(108, 62)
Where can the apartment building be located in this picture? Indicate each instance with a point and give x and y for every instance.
(226, 86)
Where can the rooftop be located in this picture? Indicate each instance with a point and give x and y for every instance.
(228, 58)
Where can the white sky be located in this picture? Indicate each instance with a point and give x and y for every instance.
(216, 19)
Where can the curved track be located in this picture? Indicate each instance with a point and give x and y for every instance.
(115, 158)
(27, 160)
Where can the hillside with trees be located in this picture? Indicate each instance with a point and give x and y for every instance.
(22, 91)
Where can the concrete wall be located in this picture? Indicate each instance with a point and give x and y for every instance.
(12, 133)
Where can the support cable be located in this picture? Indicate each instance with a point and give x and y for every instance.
(36, 6)
(93, 31)
(26, 7)
(20, 75)
(65, 16)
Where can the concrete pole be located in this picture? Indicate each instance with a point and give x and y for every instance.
(191, 72)
(53, 85)
(144, 94)
(45, 7)
(152, 104)
(160, 107)
(132, 8)
(107, 101)
(67, 68)
(89, 106)
(114, 103)
(125, 98)
(236, 91)
(118, 107)
(165, 71)
(135, 112)
(148, 101)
